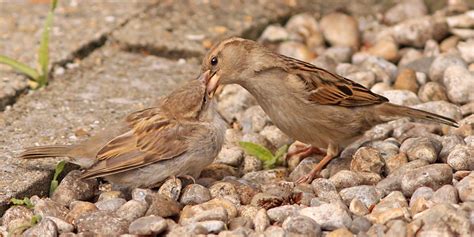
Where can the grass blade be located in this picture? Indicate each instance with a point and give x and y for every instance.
(256, 150)
(20, 67)
(43, 52)
(57, 171)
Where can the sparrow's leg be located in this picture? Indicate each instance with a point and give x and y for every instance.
(332, 152)
(303, 151)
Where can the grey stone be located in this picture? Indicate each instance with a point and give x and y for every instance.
(329, 216)
(261, 220)
(367, 160)
(254, 119)
(421, 148)
(446, 194)
(110, 204)
(367, 194)
(302, 225)
(465, 188)
(441, 63)
(360, 224)
(461, 158)
(163, 206)
(46, 228)
(47, 207)
(171, 188)
(459, 83)
(459, 222)
(132, 210)
(433, 176)
(62, 226)
(101, 223)
(230, 155)
(148, 225)
(195, 194)
(279, 214)
(325, 189)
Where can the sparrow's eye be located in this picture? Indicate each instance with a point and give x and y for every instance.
(214, 61)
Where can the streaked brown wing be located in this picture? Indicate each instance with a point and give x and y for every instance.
(152, 139)
(327, 88)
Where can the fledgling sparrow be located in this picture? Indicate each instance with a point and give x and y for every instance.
(179, 137)
(308, 103)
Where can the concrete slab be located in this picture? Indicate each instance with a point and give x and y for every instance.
(79, 26)
(101, 90)
(188, 28)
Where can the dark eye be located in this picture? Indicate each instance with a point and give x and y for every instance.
(214, 61)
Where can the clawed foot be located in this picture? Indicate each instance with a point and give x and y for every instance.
(304, 151)
(308, 177)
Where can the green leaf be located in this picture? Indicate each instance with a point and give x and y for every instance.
(256, 150)
(281, 151)
(54, 4)
(43, 52)
(20, 67)
(35, 219)
(22, 202)
(57, 171)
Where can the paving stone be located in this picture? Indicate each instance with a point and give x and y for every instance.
(103, 89)
(188, 29)
(78, 27)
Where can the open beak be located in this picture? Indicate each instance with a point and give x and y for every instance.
(211, 80)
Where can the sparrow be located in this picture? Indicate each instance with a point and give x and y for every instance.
(308, 103)
(179, 137)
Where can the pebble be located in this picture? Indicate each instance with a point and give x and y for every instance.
(15, 215)
(449, 44)
(360, 224)
(225, 190)
(218, 171)
(441, 107)
(73, 188)
(281, 213)
(161, 205)
(413, 32)
(421, 148)
(446, 194)
(101, 223)
(230, 155)
(405, 10)
(261, 220)
(406, 80)
(433, 176)
(432, 91)
(421, 192)
(357, 207)
(365, 78)
(401, 97)
(393, 181)
(302, 225)
(441, 63)
(171, 188)
(341, 54)
(140, 194)
(212, 226)
(393, 206)
(48, 207)
(241, 221)
(459, 84)
(396, 228)
(365, 193)
(367, 159)
(386, 49)
(148, 225)
(466, 48)
(110, 204)
(78, 208)
(465, 188)
(329, 216)
(110, 195)
(341, 232)
(461, 158)
(266, 176)
(233, 100)
(254, 119)
(215, 209)
(433, 217)
(195, 194)
(345, 179)
(274, 231)
(62, 226)
(274, 33)
(45, 227)
(296, 50)
(132, 210)
(304, 28)
(340, 29)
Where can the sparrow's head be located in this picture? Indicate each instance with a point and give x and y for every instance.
(190, 100)
(234, 60)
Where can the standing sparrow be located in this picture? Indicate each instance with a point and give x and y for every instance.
(179, 137)
(306, 102)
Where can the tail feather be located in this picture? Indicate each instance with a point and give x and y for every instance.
(389, 109)
(45, 151)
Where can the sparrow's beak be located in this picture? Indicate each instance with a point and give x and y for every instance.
(211, 80)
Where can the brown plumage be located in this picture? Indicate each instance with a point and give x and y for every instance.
(180, 136)
(308, 103)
